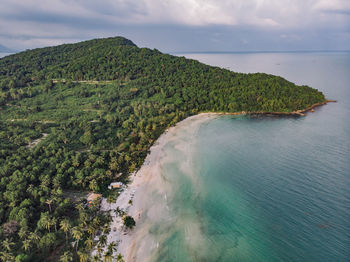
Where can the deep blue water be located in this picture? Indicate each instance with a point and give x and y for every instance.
(278, 189)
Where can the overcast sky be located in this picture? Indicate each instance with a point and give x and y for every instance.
(180, 25)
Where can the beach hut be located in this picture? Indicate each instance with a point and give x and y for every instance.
(93, 197)
(115, 185)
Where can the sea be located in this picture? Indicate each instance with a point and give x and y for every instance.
(4, 54)
(249, 189)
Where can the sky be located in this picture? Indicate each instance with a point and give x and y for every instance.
(180, 25)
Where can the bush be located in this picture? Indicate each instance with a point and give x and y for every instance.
(129, 222)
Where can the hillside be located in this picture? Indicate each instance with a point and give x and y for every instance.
(93, 109)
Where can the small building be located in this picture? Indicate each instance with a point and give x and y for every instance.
(93, 197)
(115, 185)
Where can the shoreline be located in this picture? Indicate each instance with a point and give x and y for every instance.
(301, 112)
(144, 185)
(146, 179)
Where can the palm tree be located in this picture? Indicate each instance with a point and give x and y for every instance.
(66, 257)
(96, 258)
(34, 237)
(96, 222)
(83, 256)
(79, 206)
(49, 202)
(110, 200)
(93, 185)
(106, 229)
(99, 249)
(46, 221)
(7, 244)
(77, 234)
(65, 226)
(26, 244)
(108, 256)
(22, 233)
(54, 223)
(120, 258)
(6, 256)
(112, 247)
(103, 240)
(89, 242)
(92, 230)
(84, 217)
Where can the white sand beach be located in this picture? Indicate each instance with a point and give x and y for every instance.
(145, 186)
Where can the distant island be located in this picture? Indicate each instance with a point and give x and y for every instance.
(76, 117)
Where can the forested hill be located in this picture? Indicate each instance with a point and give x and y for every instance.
(76, 116)
(195, 85)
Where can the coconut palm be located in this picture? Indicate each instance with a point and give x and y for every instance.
(46, 221)
(6, 256)
(89, 242)
(108, 256)
(7, 244)
(22, 233)
(79, 206)
(26, 243)
(120, 258)
(110, 200)
(83, 256)
(84, 217)
(66, 257)
(34, 237)
(96, 258)
(106, 229)
(49, 202)
(93, 185)
(102, 240)
(54, 223)
(77, 235)
(92, 229)
(65, 226)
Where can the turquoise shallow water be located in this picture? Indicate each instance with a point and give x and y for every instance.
(264, 189)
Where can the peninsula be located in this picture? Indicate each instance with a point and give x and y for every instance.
(76, 117)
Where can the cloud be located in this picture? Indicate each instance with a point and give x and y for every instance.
(39, 22)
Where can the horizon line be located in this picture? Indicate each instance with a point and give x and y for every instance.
(260, 51)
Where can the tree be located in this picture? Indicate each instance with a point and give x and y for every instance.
(120, 258)
(26, 244)
(6, 256)
(110, 200)
(77, 235)
(112, 247)
(83, 256)
(49, 202)
(65, 226)
(129, 222)
(108, 256)
(34, 237)
(102, 240)
(45, 221)
(93, 185)
(66, 257)
(89, 243)
(10, 228)
(7, 244)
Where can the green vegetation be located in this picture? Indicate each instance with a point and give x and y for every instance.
(102, 103)
(129, 222)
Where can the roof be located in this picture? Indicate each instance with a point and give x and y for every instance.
(115, 185)
(93, 196)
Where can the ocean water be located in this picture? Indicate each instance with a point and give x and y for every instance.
(4, 54)
(247, 189)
